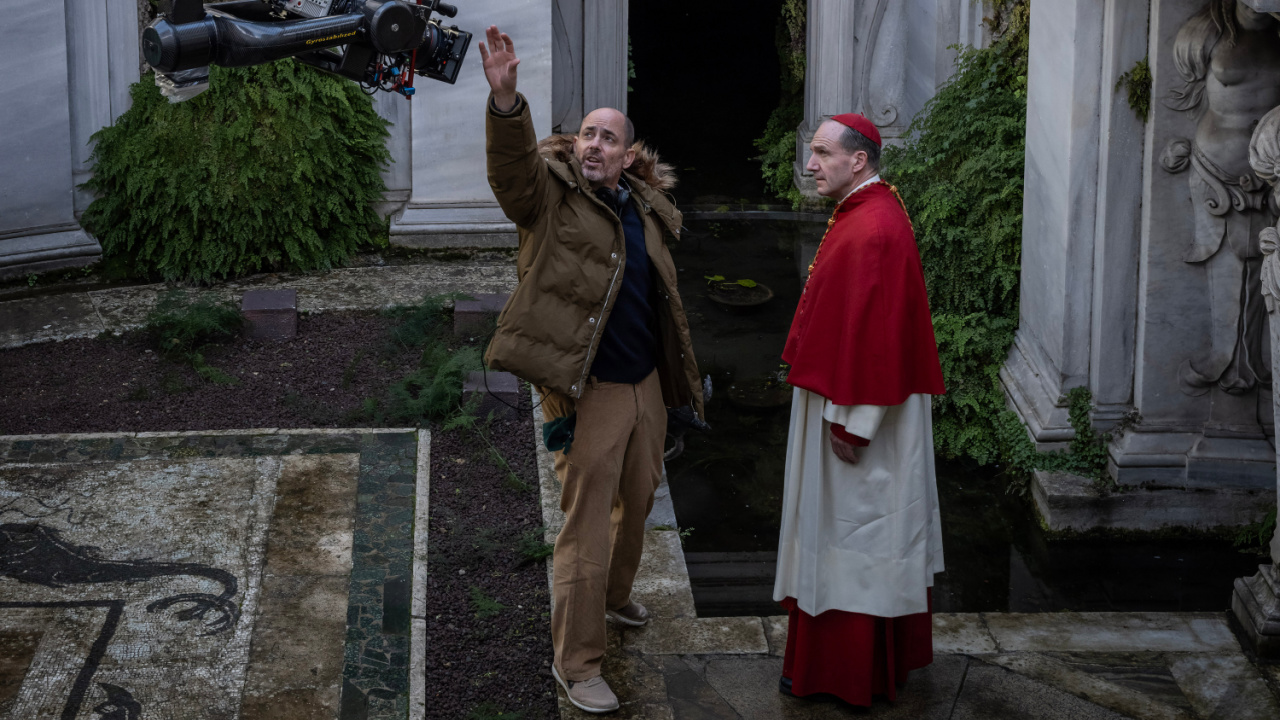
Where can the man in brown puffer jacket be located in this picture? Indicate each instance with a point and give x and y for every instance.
(596, 323)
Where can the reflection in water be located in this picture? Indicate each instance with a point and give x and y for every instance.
(727, 486)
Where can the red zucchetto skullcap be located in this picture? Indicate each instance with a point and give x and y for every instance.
(861, 124)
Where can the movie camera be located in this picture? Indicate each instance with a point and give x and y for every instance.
(380, 44)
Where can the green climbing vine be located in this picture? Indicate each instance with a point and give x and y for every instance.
(1086, 455)
(960, 173)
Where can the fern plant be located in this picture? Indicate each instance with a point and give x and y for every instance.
(273, 167)
(960, 173)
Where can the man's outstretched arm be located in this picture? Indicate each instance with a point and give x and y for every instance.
(517, 175)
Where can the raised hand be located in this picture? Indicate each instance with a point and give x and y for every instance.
(500, 62)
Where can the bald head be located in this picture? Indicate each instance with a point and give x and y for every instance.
(603, 146)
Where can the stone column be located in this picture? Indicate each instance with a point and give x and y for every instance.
(604, 59)
(830, 81)
(566, 60)
(65, 71)
(1256, 600)
(450, 203)
(882, 58)
(1052, 349)
(398, 175)
(1117, 223)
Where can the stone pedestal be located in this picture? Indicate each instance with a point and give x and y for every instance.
(270, 314)
(499, 393)
(475, 316)
(1256, 605)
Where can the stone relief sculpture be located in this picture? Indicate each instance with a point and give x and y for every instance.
(1264, 158)
(1228, 56)
(883, 111)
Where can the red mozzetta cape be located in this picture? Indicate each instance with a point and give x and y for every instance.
(862, 334)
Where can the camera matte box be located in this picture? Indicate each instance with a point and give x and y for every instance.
(270, 314)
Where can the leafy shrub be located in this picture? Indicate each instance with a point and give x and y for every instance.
(960, 173)
(533, 547)
(273, 167)
(179, 324)
(1257, 536)
(420, 324)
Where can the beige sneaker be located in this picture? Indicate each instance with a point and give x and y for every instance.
(593, 696)
(633, 614)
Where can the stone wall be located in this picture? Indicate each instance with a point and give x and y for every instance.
(1140, 262)
(882, 58)
(65, 71)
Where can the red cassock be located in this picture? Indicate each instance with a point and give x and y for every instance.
(862, 335)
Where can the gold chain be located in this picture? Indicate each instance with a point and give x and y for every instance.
(831, 223)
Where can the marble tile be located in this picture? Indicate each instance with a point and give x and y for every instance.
(1108, 632)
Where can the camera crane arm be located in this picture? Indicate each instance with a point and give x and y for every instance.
(378, 43)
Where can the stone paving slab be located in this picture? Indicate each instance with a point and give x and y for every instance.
(189, 575)
(87, 314)
(988, 666)
(1111, 632)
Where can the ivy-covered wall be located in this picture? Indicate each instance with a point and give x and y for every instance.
(960, 173)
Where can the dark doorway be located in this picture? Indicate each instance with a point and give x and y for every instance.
(707, 78)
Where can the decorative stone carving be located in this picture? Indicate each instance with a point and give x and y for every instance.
(1255, 602)
(1264, 158)
(883, 72)
(1229, 62)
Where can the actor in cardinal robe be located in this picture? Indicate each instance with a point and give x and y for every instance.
(861, 535)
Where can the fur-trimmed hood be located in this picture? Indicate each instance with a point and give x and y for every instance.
(648, 167)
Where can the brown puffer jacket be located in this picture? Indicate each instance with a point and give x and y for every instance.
(570, 265)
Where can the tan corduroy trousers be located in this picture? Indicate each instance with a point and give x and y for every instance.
(608, 480)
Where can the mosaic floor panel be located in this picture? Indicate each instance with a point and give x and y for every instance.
(220, 576)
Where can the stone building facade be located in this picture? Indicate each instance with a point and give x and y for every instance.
(1140, 257)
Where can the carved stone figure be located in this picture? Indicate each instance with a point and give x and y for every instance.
(1264, 158)
(1228, 56)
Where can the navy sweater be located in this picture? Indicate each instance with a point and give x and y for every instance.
(628, 348)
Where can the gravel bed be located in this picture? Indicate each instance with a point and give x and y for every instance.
(478, 652)
(120, 384)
